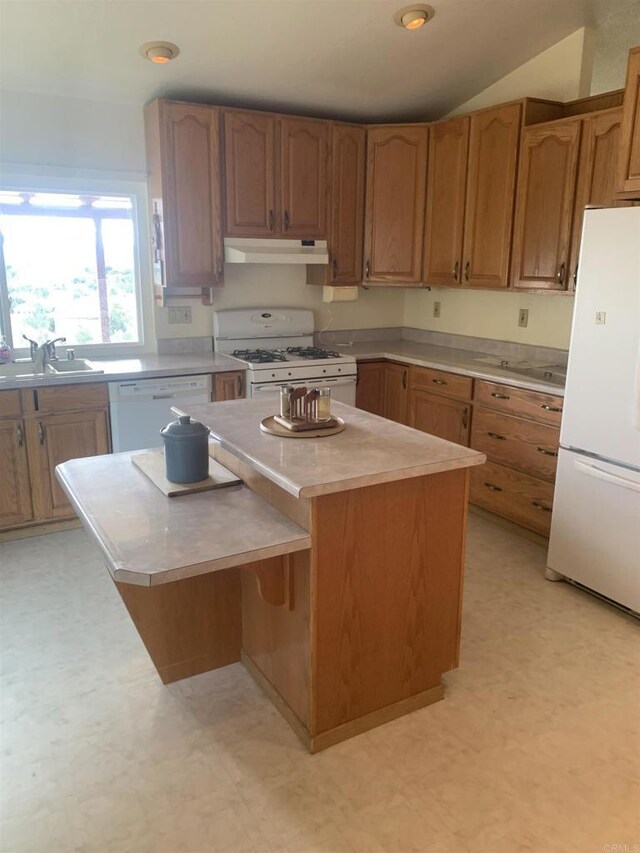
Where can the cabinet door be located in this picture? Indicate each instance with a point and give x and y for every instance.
(544, 205)
(15, 493)
(629, 154)
(191, 208)
(250, 146)
(394, 218)
(491, 186)
(596, 173)
(229, 386)
(446, 187)
(370, 387)
(304, 152)
(440, 416)
(348, 163)
(54, 439)
(396, 383)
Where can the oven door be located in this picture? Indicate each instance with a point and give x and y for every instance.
(343, 388)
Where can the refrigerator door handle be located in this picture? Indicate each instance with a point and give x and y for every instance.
(599, 474)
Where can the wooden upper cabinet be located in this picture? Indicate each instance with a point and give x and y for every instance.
(250, 173)
(629, 153)
(394, 218)
(596, 173)
(544, 204)
(491, 185)
(446, 188)
(304, 153)
(184, 162)
(346, 232)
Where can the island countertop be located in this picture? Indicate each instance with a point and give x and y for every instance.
(369, 451)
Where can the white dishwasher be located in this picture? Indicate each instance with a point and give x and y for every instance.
(139, 408)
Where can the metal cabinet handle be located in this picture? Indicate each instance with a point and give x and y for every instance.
(19, 435)
(497, 436)
(500, 396)
(465, 418)
(404, 379)
(220, 268)
(544, 452)
(366, 270)
(272, 220)
(540, 506)
(575, 276)
(334, 267)
(440, 381)
(551, 408)
(467, 270)
(286, 220)
(40, 432)
(561, 272)
(493, 488)
(240, 386)
(456, 270)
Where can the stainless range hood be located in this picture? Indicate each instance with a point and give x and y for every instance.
(250, 250)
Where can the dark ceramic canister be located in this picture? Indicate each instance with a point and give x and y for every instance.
(186, 450)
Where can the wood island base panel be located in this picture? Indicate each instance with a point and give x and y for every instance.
(344, 604)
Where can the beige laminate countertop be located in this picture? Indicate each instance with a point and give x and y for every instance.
(143, 367)
(370, 450)
(480, 365)
(148, 539)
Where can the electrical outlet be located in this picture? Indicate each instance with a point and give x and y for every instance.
(436, 309)
(601, 318)
(523, 317)
(180, 314)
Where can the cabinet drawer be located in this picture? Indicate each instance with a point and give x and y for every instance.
(65, 398)
(441, 382)
(518, 401)
(518, 497)
(525, 445)
(10, 405)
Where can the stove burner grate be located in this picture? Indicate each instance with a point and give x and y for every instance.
(312, 352)
(258, 356)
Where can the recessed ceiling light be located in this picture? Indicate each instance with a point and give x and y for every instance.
(413, 17)
(159, 52)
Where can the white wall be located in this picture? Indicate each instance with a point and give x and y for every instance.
(560, 73)
(274, 285)
(492, 314)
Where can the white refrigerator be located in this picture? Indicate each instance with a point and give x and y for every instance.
(595, 528)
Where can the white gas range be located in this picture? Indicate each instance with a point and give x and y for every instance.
(276, 346)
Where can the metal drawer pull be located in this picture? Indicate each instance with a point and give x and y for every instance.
(500, 396)
(551, 408)
(540, 506)
(493, 488)
(547, 452)
(40, 432)
(20, 435)
(497, 436)
(440, 381)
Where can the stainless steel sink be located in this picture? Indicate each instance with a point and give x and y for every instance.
(70, 366)
(67, 368)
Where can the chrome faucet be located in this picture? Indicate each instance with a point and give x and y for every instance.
(45, 353)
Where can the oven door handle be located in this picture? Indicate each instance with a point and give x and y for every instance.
(310, 383)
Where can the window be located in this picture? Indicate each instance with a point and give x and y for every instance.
(69, 264)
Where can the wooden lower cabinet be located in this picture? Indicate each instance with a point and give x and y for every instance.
(53, 439)
(370, 387)
(518, 443)
(440, 416)
(229, 386)
(526, 500)
(15, 493)
(396, 385)
(383, 389)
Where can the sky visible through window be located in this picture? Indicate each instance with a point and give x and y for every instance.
(53, 262)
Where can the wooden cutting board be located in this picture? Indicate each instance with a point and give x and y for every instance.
(151, 463)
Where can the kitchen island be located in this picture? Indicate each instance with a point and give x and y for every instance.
(334, 572)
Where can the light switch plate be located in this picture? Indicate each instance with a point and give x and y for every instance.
(601, 318)
(436, 309)
(179, 314)
(523, 318)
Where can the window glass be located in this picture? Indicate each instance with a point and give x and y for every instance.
(70, 268)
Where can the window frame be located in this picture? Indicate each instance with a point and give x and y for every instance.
(137, 191)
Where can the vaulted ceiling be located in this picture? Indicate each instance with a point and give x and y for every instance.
(342, 58)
